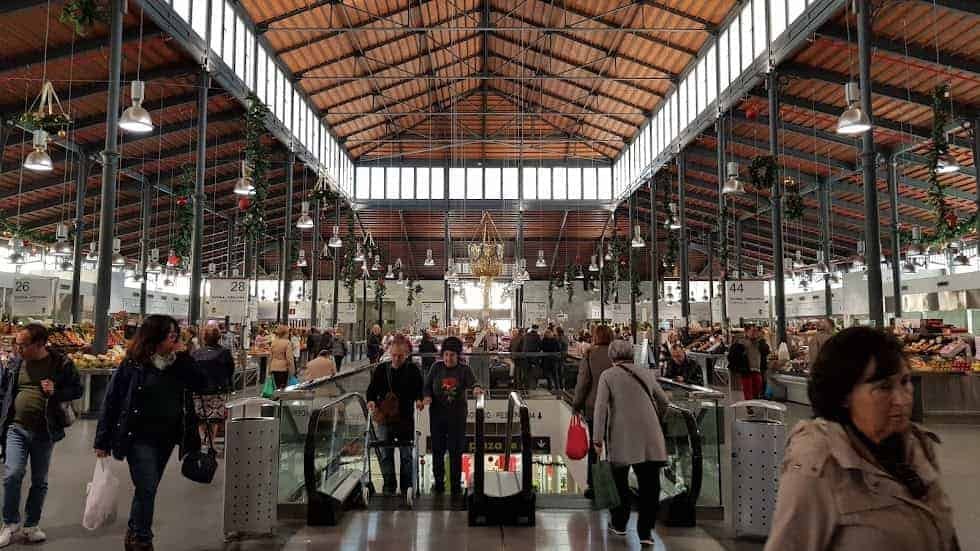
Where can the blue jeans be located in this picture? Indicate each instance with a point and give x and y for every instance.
(22, 445)
(147, 460)
(387, 460)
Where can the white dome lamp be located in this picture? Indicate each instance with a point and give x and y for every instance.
(429, 260)
(153, 267)
(947, 164)
(733, 184)
(376, 267)
(17, 256)
(39, 160)
(638, 241)
(93, 252)
(301, 259)
(593, 267)
(540, 262)
(118, 260)
(135, 118)
(358, 253)
(672, 221)
(245, 186)
(335, 241)
(305, 221)
(853, 120)
(61, 247)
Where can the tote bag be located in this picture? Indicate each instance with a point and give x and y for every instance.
(603, 484)
(577, 441)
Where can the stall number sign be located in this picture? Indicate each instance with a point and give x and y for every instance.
(747, 299)
(228, 298)
(32, 297)
(346, 312)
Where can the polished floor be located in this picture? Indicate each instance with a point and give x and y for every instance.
(189, 515)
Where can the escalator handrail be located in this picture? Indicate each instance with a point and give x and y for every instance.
(694, 437)
(696, 391)
(515, 399)
(309, 450)
(317, 383)
(479, 443)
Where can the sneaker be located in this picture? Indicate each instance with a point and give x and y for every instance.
(438, 490)
(647, 541)
(616, 531)
(589, 494)
(34, 534)
(410, 497)
(7, 534)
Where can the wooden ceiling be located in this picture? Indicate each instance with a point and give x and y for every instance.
(469, 80)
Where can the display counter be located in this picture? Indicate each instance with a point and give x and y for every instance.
(707, 361)
(946, 393)
(95, 382)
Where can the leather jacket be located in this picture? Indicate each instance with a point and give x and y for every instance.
(67, 387)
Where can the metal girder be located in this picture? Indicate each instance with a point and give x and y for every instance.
(880, 89)
(788, 152)
(573, 102)
(263, 26)
(906, 49)
(11, 6)
(531, 104)
(79, 48)
(968, 7)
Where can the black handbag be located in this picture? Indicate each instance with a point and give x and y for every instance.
(200, 465)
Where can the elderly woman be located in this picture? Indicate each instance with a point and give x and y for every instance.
(595, 360)
(281, 364)
(861, 475)
(628, 407)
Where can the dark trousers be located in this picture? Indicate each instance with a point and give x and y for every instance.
(593, 457)
(448, 434)
(648, 479)
(280, 378)
(147, 460)
(338, 361)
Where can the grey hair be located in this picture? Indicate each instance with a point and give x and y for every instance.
(621, 351)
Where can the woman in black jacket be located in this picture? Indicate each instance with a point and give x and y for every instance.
(218, 366)
(374, 349)
(146, 412)
(428, 349)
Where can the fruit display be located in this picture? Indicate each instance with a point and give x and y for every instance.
(939, 354)
(110, 360)
(66, 338)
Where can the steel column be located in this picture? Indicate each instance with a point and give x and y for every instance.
(632, 216)
(824, 197)
(285, 264)
(872, 237)
(654, 275)
(110, 166)
(315, 266)
(364, 307)
(518, 254)
(722, 220)
(145, 244)
(447, 246)
(975, 131)
(197, 233)
(711, 277)
(738, 248)
(81, 187)
(891, 169)
(772, 83)
(685, 267)
(336, 273)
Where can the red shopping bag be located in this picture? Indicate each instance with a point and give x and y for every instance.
(577, 443)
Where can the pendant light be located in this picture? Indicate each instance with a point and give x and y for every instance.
(853, 120)
(760, 270)
(325, 252)
(305, 221)
(17, 257)
(593, 267)
(859, 261)
(608, 256)
(429, 261)
(733, 184)
(93, 252)
(821, 267)
(245, 185)
(153, 267)
(377, 263)
(947, 164)
(61, 247)
(540, 262)
(672, 221)
(335, 241)
(908, 267)
(301, 259)
(358, 253)
(118, 260)
(172, 259)
(135, 118)
(39, 160)
(578, 272)
(638, 241)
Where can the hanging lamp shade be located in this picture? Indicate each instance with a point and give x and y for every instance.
(733, 184)
(579, 274)
(17, 256)
(761, 270)
(608, 255)
(429, 261)
(172, 259)
(593, 267)
(301, 259)
(305, 221)
(853, 120)
(135, 118)
(325, 252)
(38, 160)
(377, 263)
(61, 246)
(93, 252)
(672, 221)
(153, 266)
(540, 262)
(638, 241)
(118, 260)
(335, 241)
(358, 254)
(245, 186)
(947, 164)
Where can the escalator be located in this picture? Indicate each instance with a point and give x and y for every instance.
(503, 497)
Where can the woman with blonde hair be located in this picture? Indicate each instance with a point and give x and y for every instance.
(281, 364)
(374, 349)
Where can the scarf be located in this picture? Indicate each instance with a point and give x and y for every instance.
(890, 455)
(163, 362)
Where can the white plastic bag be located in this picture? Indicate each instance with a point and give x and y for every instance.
(102, 497)
(782, 353)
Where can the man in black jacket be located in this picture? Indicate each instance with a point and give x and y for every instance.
(532, 345)
(395, 388)
(682, 369)
(36, 387)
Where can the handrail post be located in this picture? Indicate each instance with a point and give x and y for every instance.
(480, 442)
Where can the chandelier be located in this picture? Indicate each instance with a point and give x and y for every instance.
(486, 252)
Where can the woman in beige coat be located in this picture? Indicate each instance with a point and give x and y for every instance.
(861, 476)
(281, 363)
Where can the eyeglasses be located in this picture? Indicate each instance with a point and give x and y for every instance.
(173, 337)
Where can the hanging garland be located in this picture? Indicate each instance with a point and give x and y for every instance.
(9, 229)
(380, 289)
(763, 172)
(946, 220)
(413, 289)
(570, 288)
(669, 261)
(723, 247)
(55, 124)
(82, 15)
(349, 272)
(257, 156)
(183, 215)
(793, 205)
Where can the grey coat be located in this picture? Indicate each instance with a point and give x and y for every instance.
(627, 420)
(596, 361)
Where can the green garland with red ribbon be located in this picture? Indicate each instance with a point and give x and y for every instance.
(183, 214)
(257, 157)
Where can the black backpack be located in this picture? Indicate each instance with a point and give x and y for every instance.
(738, 359)
(218, 367)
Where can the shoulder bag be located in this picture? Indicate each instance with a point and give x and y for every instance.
(646, 390)
(387, 412)
(200, 465)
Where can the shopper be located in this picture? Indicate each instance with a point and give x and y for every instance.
(146, 412)
(35, 386)
(321, 366)
(281, 358)
(825, 330)
(374, 349)
(551, 365)
(683, 369)
(532, 346)
(396, 385)
(594, 362)
(427, 348)
(860, 475)
(218, 367)
(189, 336)
(338, 348)
(297, 345)
(628, 407)
(747, 358)
(312, 343)
(445, 391)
